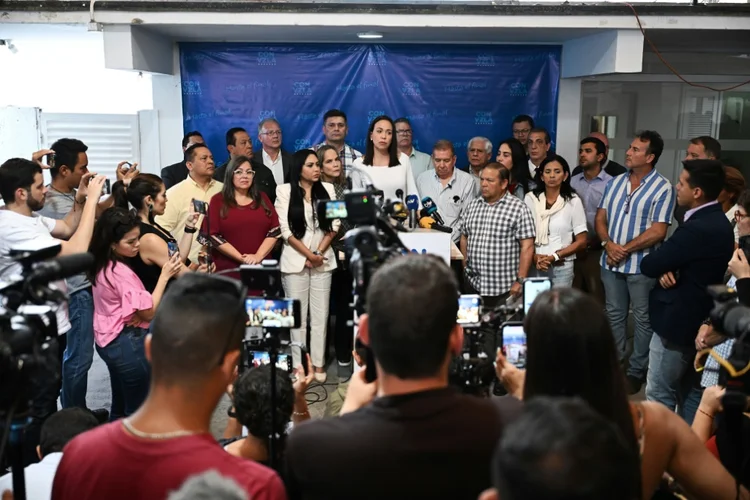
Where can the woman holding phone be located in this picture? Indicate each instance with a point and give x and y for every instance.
(123, 308)
(148, 195)
(307, 260)
(243, 217)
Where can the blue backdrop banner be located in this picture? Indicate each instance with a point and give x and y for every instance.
(450, 92)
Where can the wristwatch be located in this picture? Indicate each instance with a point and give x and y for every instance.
(317, 252)
(604, 243)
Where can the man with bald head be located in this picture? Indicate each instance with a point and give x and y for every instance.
(610, 167)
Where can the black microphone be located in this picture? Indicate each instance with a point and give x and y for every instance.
(61, 268)
(400, 194)
(432, 210)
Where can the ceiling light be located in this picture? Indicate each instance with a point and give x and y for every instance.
(369, 35)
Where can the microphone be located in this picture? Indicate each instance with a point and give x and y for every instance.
(61, 268)
(412, 203)
(396, 210)
(400, 194)
(432, 210)
(428, 222)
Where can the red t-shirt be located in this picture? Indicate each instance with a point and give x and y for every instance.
(111, 464)
(244, 227)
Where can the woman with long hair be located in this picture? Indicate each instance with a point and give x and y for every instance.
(571, 352)
(559, 219)
(512, 155)
(148, 195)
(243, 217)
(307, 259)
(123, 308)
(382, 165)
(341, 282)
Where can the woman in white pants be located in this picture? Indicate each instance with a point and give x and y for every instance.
(307, 260)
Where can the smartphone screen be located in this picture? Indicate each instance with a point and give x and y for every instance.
(272, 313)
(173, 248)
(259, 358)
(468, 310)
(336, 209)
(514, 343)
(199, 206)
(532, 287)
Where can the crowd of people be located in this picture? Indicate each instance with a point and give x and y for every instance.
(170, 332)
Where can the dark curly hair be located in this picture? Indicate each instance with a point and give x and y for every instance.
(112, 226)
(252, 402)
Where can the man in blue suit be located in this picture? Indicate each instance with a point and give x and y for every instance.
(695, 257)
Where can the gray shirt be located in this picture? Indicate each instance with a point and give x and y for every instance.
(452, 199)
(56, 206)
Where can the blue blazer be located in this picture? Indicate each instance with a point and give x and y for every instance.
(697, 254)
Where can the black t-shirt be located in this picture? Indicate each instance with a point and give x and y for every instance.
(430, 444)
(149, 273)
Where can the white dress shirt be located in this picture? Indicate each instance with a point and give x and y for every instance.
(277, 167)
(38, 477)
(569, 221)
(387, 179)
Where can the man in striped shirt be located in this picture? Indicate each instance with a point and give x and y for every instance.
(632, 221)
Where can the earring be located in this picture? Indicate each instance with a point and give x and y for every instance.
(150, 207)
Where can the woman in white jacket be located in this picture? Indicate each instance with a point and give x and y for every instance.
(307, 260)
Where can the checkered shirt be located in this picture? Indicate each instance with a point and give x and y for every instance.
(493, 233)
(347, 156)
(711, 371)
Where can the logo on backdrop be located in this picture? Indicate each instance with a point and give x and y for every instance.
(485, 60)
(411, 88)
(519, 89)
(191, 87)
(483, 118)
(302, 88)
(302, 144)
(374, 114)
(266, 113)
(376, 58)
(266, 59)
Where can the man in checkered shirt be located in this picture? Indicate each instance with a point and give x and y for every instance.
(335, 128)
(497, 239)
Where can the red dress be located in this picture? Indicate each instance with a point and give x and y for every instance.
(244, 227)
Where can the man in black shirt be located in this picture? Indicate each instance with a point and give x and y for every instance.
(419, 438)
(178, 172)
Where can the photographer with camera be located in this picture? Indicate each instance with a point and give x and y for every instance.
(419, 438)
(23, 190)
(194, 348)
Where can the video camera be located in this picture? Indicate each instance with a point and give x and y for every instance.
(732, 319)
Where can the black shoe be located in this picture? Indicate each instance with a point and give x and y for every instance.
(101, 415)
(634, 385)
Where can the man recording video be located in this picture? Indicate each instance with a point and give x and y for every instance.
(419, 438)
(23, 190)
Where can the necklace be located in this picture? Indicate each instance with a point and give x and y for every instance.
(159, 436)
(70, 196)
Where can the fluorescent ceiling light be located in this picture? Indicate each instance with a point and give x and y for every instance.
(370, 35)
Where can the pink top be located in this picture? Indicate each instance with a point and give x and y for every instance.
(118, 294)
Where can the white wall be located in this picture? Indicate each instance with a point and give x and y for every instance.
(61, 69)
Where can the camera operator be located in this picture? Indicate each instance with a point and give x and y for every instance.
(562, 448)
(23, 190)
(419, 438)
(193, 349)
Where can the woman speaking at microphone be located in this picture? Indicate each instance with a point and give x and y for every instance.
(383, 166)
(307, 260)
(558, 215)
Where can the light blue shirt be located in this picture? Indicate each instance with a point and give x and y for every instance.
(451, 199)
(420, 162)
(591, 193)
(629, 214)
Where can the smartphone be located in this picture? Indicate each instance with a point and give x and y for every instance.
(514, 343)
(173, 248)
(204, 259)
(272, 313)
(200, 207)
(203, 240)
(469, 307)
(51, 159)
(107, 188)
(333, 209)
(532, 287)
(257, 358)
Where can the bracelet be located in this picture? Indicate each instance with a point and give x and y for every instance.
(300, 413)
(706, 414)
(190, 230)
(80, 202)
(557, 257)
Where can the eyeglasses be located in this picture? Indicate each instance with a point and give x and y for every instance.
(272, 133)
(240, 173)
(521, 131)
(738, 216)
(403, 132)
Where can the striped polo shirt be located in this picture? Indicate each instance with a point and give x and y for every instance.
(630, 213)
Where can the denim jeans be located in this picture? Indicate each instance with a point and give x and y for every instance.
(621, 291)
(129, 371)
(671, 377)
(79, 351)
(560, 276)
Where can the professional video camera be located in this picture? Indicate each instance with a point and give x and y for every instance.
(28, 341)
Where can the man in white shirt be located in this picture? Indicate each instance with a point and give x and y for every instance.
(420, 162)
(538, 147)
(450, 188)
(479, 151)
(276, 159)
(59, 429)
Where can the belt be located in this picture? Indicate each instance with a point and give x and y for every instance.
(559, 263)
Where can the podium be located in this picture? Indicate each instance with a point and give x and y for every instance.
(424, 241)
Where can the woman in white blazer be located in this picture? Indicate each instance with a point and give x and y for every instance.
(307, 259)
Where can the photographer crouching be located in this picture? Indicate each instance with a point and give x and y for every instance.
(418, 437)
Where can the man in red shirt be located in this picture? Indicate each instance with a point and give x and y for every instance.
(193, 350)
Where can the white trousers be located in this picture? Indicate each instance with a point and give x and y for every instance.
(313, 289)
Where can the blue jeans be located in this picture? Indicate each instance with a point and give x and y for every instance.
(671, 377)
(621, 291)
(79, 351)
(129, 371)
(560, 276)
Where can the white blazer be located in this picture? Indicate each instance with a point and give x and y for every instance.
(291, 260)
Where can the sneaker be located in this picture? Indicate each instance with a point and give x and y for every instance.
(633, 384)
(321, 377)
(101, 414)
(344, 370)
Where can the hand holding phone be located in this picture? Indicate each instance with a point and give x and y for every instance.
(173, 248)
(200, 207)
